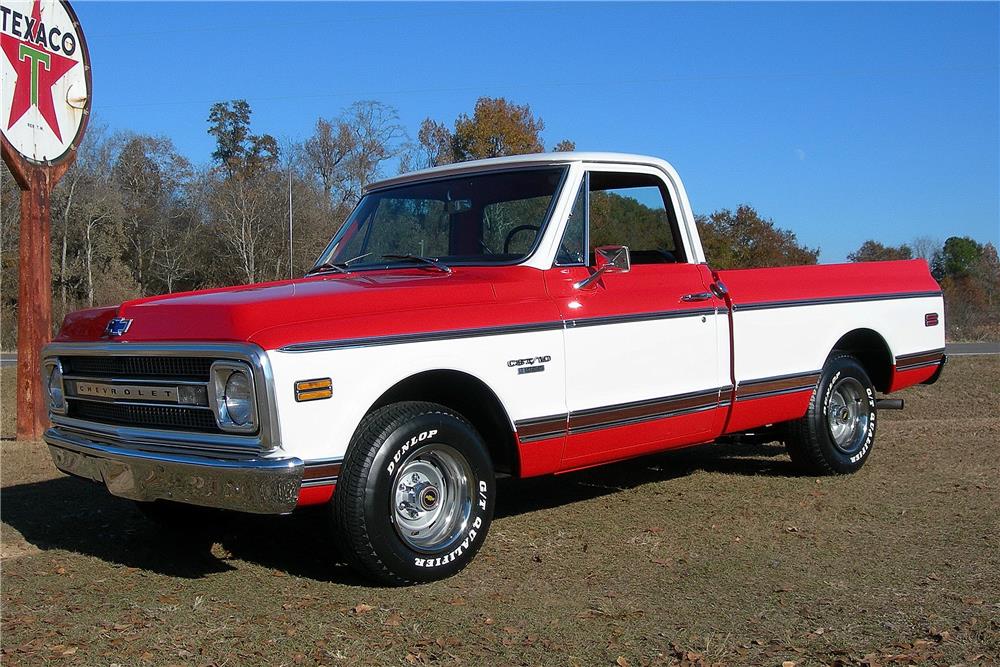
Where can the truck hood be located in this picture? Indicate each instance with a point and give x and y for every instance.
(327, 307)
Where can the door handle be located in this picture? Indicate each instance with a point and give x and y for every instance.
(698, 296)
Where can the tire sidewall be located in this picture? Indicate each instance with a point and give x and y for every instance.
(383, 475)
(834, 372)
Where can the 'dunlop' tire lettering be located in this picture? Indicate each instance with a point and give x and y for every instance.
(424, 436)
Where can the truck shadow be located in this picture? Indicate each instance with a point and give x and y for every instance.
(80, 516)
(529, 495)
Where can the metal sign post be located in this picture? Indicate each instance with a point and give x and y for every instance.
(45, 86)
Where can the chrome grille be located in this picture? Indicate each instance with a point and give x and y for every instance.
(148, 416)
(177, 368)
(160, 420)
(139, 371)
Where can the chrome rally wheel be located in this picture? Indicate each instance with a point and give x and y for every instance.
(847, 415)
(432, 500)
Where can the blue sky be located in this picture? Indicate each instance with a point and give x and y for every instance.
(842, 122)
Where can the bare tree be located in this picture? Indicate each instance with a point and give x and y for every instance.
(378, 137)
(924, 247)
(247, 210)
(327, 151)
(172, 257)
(99, 206)
(150, 175)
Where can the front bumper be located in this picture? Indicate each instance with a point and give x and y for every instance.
(261, 486)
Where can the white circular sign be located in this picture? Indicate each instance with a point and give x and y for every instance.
(44, 78)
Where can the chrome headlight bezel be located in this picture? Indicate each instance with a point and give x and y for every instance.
(55, 396)
(221, 373)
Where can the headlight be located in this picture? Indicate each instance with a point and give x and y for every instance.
(54, 386)
(239, 398)
(234, 400)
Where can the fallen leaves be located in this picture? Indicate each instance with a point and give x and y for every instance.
(686, 658)
(762, 598)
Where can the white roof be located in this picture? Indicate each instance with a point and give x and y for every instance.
(524, 160)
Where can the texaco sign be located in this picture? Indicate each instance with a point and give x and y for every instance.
(45, 77)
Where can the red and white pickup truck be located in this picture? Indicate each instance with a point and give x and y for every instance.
(518, 316)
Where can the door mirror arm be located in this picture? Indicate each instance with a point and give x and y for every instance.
(607, 259)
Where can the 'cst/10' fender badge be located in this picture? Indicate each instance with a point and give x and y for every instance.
(529, 364)
(117, 326)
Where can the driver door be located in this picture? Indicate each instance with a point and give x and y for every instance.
(641, 345)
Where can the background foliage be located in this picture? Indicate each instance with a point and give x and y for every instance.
(134, 218)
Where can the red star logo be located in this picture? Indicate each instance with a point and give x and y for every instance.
(37, 69)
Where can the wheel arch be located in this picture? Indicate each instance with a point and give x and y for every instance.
(872, 351)
(473, 399)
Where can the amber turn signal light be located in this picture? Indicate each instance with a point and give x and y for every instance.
(313, 390)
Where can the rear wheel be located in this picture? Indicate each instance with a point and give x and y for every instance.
(415, 497)
(837, 433)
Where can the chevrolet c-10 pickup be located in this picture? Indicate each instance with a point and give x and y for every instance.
(516, 316)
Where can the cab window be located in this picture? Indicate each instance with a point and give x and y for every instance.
(633, 210)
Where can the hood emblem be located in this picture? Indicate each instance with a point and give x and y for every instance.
(117, 326)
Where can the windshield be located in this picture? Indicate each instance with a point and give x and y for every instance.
(493, 218)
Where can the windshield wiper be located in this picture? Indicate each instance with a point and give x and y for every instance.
(336, 266)
(437, 264)
(327, 266)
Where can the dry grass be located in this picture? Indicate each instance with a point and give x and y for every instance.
(8, 414)
(717, 554)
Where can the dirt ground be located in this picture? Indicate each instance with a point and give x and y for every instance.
(718, 554)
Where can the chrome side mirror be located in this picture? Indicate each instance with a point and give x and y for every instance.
(607, 259)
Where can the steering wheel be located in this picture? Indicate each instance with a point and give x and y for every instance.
(566, 257)
(516, 230)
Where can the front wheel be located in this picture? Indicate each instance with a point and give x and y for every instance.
(415, 498)
(837, 433)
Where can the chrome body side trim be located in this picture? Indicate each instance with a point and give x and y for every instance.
(622, 414)
(421, 337)
(914, 360)
(777, 385)
(605, 320)
(533, 327)
(261, 486)
(821, 301)
(321, 473)
(266, 439)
